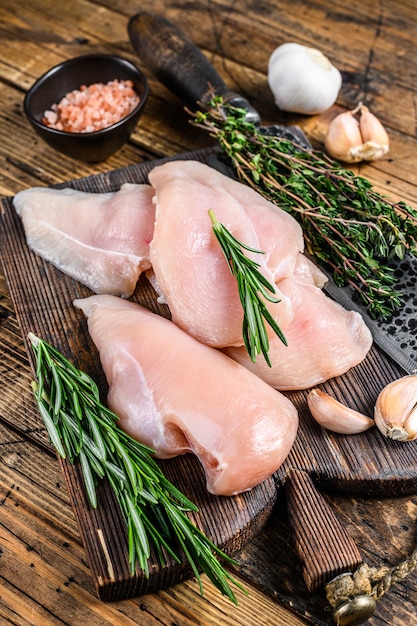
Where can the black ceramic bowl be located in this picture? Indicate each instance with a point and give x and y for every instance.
(70, 75)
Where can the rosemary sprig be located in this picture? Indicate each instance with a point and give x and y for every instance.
(83, 429)
(253, 289)
(347, 225)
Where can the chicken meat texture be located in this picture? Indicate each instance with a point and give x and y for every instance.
(100, 239)
(188, 263)
(192, 277)
(324, 341)
(177, 395)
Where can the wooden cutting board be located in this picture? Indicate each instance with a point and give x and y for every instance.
(366, 464)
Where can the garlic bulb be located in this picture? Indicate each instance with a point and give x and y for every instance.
(351, 140)
(396, 409)
(302, 79)
(335, 416)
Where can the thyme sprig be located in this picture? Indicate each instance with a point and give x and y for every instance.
(83, 429)
(253, 288)
(348, 226)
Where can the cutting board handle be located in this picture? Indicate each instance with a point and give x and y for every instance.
(323, 545)
(179, 64)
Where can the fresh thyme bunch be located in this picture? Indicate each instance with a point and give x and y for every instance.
(82, 429)
(347, 225)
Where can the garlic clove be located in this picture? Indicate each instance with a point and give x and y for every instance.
(368, 151)
(335, 416)
(343, 138)
(371, 128)
(302, 79)
(351, 140)
(410, 425)
(374, 136)
(396, 409)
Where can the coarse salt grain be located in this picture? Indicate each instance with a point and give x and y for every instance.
(92, 107)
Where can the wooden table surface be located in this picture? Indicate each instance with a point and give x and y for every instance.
(44, 575)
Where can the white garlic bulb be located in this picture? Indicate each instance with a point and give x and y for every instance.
(396, 409)
(352, 140)
(335, 416)
(302, 79)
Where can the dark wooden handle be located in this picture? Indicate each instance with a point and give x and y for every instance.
(323, 545)
(179, 64)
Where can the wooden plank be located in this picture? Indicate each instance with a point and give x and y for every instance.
(37, 540)
(44, 574)
(164, 116)
(384, 531)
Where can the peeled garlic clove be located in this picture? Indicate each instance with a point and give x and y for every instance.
(351, 140)
(302, 79)
(335, 416)
(396, 409)
(343, 138)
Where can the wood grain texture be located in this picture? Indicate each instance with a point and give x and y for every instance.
(44, 576)
(374, 45)
(316, 531)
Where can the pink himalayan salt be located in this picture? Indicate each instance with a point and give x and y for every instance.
(92, 107)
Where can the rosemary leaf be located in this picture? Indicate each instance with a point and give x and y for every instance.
(96, 467)
(253, 288)
(71, 433)
(51, 428)
(88, 478)
(136, 520)
(76, 407)
(101, 451)
(160, 542)
(127, 462)
(115, 471)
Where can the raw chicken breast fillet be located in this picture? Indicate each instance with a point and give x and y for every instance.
(308, 273)
(324, 340)
(177, 395)
(187, 261)
(100, 239)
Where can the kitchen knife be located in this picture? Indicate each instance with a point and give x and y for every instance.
(181, 66)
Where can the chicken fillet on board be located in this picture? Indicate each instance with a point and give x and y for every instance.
(188, 264)
(324, 341)
(177, 395)
(100, 239)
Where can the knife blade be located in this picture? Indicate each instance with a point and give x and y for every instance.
(181, 66)
(396, 335)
